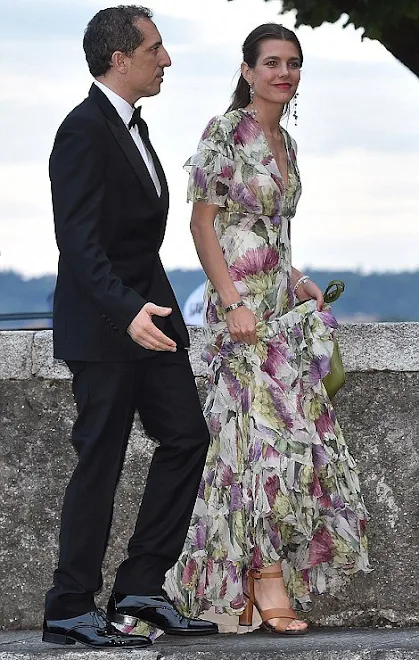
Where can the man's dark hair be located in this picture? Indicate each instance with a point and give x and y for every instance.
(110, 30)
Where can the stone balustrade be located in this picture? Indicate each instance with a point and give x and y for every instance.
(378, 409)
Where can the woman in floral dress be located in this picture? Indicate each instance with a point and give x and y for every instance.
(279, 496)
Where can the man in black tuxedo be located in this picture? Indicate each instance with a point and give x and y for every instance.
(118, 327)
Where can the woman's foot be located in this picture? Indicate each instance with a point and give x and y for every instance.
(272, 594)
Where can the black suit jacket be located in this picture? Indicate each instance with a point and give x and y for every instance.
(109, 225)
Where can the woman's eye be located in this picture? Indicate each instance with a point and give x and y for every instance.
(294, 65)
(271, 63)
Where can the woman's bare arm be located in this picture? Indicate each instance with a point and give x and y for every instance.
(241, 322)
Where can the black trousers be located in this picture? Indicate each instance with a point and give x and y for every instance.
(162, 389)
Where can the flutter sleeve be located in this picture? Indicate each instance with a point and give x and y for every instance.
(212, 167)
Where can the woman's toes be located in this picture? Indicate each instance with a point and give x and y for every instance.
(297, 625)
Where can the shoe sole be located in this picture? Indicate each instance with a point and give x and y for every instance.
(190, 633)
(54, 638)
(64, 640)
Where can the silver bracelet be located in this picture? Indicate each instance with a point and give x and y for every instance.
(233, 306)
(302, 280)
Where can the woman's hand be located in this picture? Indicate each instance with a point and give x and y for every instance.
(309, 290)
(241, 323)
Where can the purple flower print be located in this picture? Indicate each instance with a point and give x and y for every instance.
(235, 498)
(255, 451)
(320, 457)
(315, 488)
(328, 318)
(208, 129)
(223, 588)
(210, 477)
(246, 131)
(200, 179)
(320, 366)
(276, 357)
(270, 452)
(298, 332)
(200, 534)
(242, 195)
(305, 573)
(275, 537)
(200, 589)
(325, 502)
(245, 400)
(238, 601)
(189, 572)
(227, 169)
(232, 572)
(337, 502)
(279, 182)
(272, 487)
(226, 476)
(201, 489)
(254, 262)
(280, 406)
(321, 547)
(323, 425)
(257, 560)
(214, 423)
(212, 316)
(232, 384)
(208, 354)
(290, 294)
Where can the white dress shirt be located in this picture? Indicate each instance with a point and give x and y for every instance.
(125, 110)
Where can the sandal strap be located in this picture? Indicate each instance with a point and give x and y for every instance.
(278, 613)
(261, 575)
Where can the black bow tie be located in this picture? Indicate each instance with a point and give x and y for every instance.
(136, 118)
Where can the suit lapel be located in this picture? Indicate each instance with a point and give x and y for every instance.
(135, 159)
(157, 164)
(128, 146)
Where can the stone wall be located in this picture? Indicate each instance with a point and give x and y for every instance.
(378, 409)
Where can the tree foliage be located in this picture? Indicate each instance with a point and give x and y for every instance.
(395, 23)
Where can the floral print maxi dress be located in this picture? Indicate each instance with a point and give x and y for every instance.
(279, 482)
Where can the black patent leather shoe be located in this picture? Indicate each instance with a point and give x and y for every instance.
(158, 611)
(92, 629)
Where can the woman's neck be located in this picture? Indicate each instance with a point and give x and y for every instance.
(268, 116)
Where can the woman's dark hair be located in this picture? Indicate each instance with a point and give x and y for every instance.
(111, 30)
(251, 51)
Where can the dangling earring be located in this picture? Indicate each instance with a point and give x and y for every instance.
(252, 96)
(294, 109)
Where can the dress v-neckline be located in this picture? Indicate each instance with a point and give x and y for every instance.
(268, 148)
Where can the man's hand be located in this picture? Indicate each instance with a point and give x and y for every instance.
(143, 331)
(241, 323)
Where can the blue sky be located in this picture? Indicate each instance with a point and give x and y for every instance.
(357, 132)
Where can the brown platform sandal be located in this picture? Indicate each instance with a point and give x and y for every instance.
(285, 614)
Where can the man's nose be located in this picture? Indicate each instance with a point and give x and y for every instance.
(165, 58)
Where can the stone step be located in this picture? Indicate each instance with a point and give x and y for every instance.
(318, 644)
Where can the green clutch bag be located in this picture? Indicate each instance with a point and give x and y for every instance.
(336, 378)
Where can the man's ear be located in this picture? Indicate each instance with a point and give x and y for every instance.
(119, 62)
